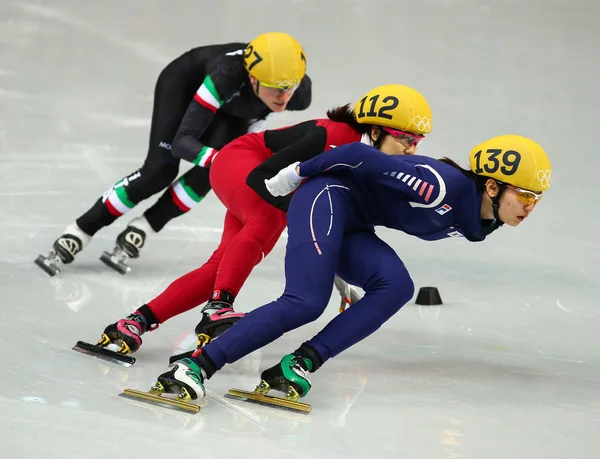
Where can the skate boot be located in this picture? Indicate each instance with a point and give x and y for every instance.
(125, 333)
(185, 378)
(217, 316)
(128, 245)
(288, 376)
(63, 250)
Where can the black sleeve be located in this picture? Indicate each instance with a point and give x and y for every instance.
(224, 77)
(303, 96)
(187, 144)
(300, 142)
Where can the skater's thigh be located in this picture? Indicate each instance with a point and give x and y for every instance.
(172, 96)
(228, 177)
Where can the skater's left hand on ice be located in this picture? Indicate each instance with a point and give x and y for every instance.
(349, 295)
(286, 181)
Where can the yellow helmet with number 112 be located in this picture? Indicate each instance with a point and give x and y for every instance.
(396, 107)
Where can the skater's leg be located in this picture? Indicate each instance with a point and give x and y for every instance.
(183, 194)
(195, 287)
(370, 263)
(318, 216)
(262, 222)
(271, 244)
(246, 249)
(183, 294)
(194, 185)
(171, 99)
(367, 261)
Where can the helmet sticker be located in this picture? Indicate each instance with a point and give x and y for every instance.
(249, 52)
(423, 123)
(393, 103)
(508, 163)
(544, 176)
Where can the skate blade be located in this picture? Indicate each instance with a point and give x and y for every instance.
(103, 354)
(267, 400)
(112, 262)
(183, 355)
(49, 268)
(147, 397)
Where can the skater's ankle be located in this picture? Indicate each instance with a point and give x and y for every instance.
(222, 296)
(142, 224)
(311, 357)
(205, 363)
(219, 299)
(146, 318)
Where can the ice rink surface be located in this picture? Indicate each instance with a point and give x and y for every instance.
(509, 367)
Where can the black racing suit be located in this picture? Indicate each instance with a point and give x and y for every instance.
(202, 101)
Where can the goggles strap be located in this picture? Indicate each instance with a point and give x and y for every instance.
(496, 222)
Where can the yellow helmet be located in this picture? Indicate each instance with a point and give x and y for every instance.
(514, 160)
(276, 60)
(395, 106)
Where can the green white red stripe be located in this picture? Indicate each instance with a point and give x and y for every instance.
(205, 157)
(118, 202)
(183, 196)
(208, 96)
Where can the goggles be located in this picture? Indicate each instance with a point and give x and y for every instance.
(411, 139)
(276, 90)
(527, 197)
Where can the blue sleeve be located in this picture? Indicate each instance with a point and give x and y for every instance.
(420, 181)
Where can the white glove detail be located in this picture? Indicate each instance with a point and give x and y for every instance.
(285, 181)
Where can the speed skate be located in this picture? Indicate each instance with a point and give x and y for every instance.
(155, 397)
(101, 352)
(259, 396)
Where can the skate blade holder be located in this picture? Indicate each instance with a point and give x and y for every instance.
(48, 265)
(267, 400)
(102, 353)
(160, 400)
(116, 262)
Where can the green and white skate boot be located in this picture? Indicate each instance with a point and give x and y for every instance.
(185, 378)
(288, 376)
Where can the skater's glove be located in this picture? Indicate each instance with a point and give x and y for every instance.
(349, 295)
(286, 181)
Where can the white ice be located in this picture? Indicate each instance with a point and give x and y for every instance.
(509, 367)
